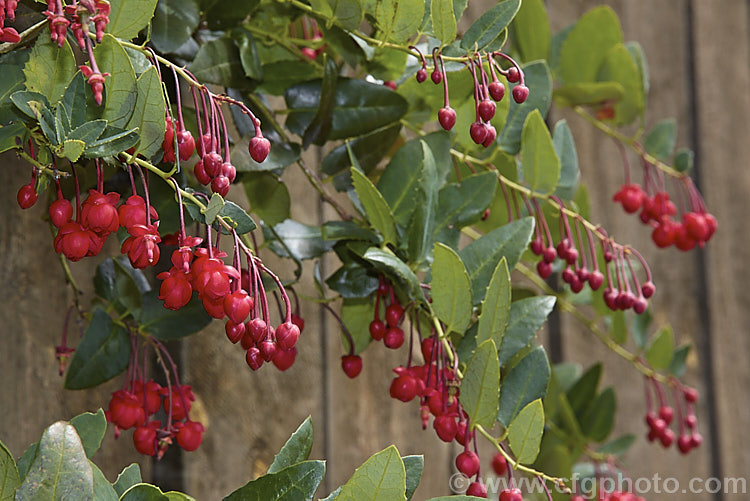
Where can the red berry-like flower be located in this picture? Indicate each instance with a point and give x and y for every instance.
(404, 388)
(283, 359)
(200, 173)
(394, 338)
(259, 148)
(499, 464)
(60, 212)
(76, 242)
(298, 321)
(237, 306)
(185, 143)
(497, 91)
(487, 109)
(144, 438)
(520, 93)
(142, 246)
(180, 404)
(511, 495)
(393, 314)
(377, 330)
(446, 427)
(133, 212)
(468, 463)
(477, 489)
(153, 395)
(175, 289)
(27, 196)
(254, 358)
(287, 335)
(212, 163)
(190, 435)
(447, 117)
(125, 410)
(99, 212)
(352, 365)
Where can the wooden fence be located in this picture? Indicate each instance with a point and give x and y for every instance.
(699, 58)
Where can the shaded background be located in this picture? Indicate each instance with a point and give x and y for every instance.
(699, 58)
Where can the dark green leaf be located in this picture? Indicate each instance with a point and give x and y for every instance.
(8, 474)
(24, 462)
(50, 68)
(114, 283)
(661, 139)
(119, 98)
(525, 383)
(128, 17)
(398, 20)
(23, 99)
(526, 317)
(368, 149)
(480, 386)
(218, 61)
(461, 204)
(347, 230)
(422, 224)
(248, 54)
(659, 351)
(679, 358)
(296, 449)
(60, 469)
(12, 136)
(304, 241)
(174, 22)
(376, 208)
(539, 82)
(237, 218)
(90, 428)
(389, 263)
(618, 446)
(485, 30)
(481, 256)
(352, 281)
(148, 113)
(493, 320)
(359, 107)
(215, 204)
(127, 478)
(46, 121)
(280, 156)
(114, 141)
(599, 419)
(295, 483)
(414, 466)
(400, 182)
(443, 20)
(167, 324)
(348, 12)
(268, 196)
(381, 478)
(89, 131)
(586, 46)
(683, 160)
(103, 353)
(525, 432)
(531, 32)
(221, 14)
(582, 393)
(74, 102)
(540, 165)
(320, 126)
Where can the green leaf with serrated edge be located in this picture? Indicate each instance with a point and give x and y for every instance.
(369, 149)
(296, 449)
(268, 195)
(525, 432)
(496, 306)
(421, 227)
(451, 289)
(539, 82)
(684, 160)
(88, 132)
(103, 490)
(356, 314)
(148, 113)
(103, 353)
(167, 324)
(619, 66)
(531, 31)
(237, 218)
(565, 147)
(484, 31)
(592, 93)
(599, 419)
(481, 256)
(91, 428)
(319, 127)
(618, 446)
(9, 478)
(50, 68)
(296, 482)
(46, 121)
(143, 492)
(525, 382)
(128, 17)
(173, 23)
(583, 392)
(120, 97)
(443, 20)
(215, 204)
(381, 478)
(661, 139)
(60, 469)
(127, 478)
(8, 135)
(587, 44)
(74, 102)
(460, 204)
(526, 317)
(352, 281)
(540, 165)
(23, 99)
(359, 107)
(679, 359)
(398, 20)
(378, 212)
(414, 465)
(112, 143)
(659, 350)
(218, 61)
(389, 263)
(72, 149)
(480, 386)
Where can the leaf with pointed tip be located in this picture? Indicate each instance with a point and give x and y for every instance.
(525, 432)
(120, 97)
(414, 466)
(88, 132)
(493, 321)
(389, 263)
(74, 101)
(540, 165)
(463, 203)
(483, 34)
(526, 382)
(114, 141)
(127, 478)
(531, 31)
(378, 212)
(91, 428)
(526, 317)
(148, 113)
(661, 139)
(421, 226)
(451, 289)
(218, 61)
(619, 66)
(480, 386)
(296, 449)
(128, 17)
(103, 490)
(50, 68)
(599, 419)
(9, 479)
(144, 492)
(381, 478)
(294, 483)
(585, 47)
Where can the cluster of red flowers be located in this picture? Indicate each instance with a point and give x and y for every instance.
(8, 11)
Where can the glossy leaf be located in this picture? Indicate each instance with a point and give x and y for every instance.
(218, 61)
(451, 289)
(378, 212)
(347, 230)
(526, 317)
(389, 263)
(525, 432)
(526, 382)
(60, 469)
(268, 195)
(302, 240)
(659, 350)
(531, 31)
(74, 102)
(9, 479)
(414, 465)
(222, 14)
(50, 68)
(599, 419)
(88, 132)
(359, 107)
(113, 142)
(103, 353)
(296, 449)
(586, 46)
(422, 224)
(381, 478)
(173, 23)
(481, 256)
(493, 320)
(117, 284)
(539, 82)
(320, 126)
(296, 482)
(485, 30)
(128, 17)
(11, 136)
(679, 359)
(148, 113)
(167, 324)
(119, 98)
(127, 478)
(91, 428)
(480, 386)
(369, 149)
(398, 20)
(661, 139)
(352, 281)
(443, 20)
(400, 182)
(72, 149)
(460, 204)
(565, 147)
(583, 392)
(540, 165)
